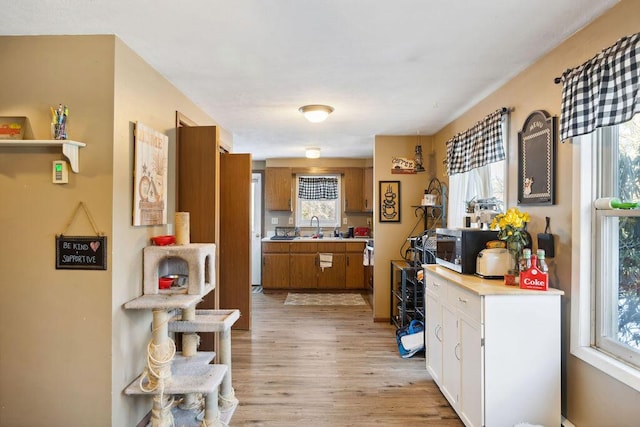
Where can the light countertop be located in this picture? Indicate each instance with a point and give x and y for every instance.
(318, 240)
(482, 286)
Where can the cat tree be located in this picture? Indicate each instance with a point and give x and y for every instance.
(187, 389)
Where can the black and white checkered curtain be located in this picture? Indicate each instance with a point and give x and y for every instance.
(318, 188)
(477, 146)
(602, 92)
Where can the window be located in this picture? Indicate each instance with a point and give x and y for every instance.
(484, 182)
(318, 195)
(606, 288)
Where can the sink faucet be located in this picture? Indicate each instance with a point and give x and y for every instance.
(318, 227)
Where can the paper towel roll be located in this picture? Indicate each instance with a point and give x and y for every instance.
(604, 202)
(182, 228)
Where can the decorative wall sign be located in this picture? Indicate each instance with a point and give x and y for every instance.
(389, 197)
(536, 159)
(150, 183)
(81, 253)
(402, 165)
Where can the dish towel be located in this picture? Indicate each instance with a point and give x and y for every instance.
(326, 261)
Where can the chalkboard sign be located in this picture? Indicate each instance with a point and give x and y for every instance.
(536, 159)
(81, 253)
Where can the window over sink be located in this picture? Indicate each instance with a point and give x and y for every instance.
(318, 196)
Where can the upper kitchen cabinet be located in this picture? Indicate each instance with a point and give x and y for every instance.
(368, 189)
(353, 190)
(277, 182)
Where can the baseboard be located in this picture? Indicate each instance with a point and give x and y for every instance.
(566, 423)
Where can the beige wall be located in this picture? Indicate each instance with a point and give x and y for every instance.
(390, 237)
(590, 397)
(68, 347)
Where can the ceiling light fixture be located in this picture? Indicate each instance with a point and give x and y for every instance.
(312, 153)
(316, 113)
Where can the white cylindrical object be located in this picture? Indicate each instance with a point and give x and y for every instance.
(182, 228)
(605, 202)
(190, 343)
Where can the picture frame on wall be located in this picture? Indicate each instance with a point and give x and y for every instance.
(536, 159)
(150, 179)
(389, 196)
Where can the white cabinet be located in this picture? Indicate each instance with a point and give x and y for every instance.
(493, 350)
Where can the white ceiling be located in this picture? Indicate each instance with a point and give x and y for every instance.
(387, 67)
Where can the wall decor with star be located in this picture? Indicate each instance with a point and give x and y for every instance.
(150, 179)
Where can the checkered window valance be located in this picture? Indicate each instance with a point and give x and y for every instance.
(477, 146)
(318, 188)
(602, 92)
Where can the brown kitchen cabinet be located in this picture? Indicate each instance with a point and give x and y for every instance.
(354, 269)
(296, 265)
(275, 265)
(367, 189)
(332, 277)
(353, 190)
(303, 265)
(277, 187)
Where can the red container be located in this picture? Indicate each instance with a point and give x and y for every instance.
(165, 282)
(534, 279)
(163, 240)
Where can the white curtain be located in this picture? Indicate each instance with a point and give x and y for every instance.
(463, 187)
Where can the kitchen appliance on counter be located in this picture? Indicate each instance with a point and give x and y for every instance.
(361, 232)
(458, 248)
(493, 263)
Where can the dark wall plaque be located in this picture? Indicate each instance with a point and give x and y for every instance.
(81, 253)
(536, 159)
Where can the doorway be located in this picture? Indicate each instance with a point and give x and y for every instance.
(256, 229)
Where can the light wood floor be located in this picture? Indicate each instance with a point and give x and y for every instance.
(318, 366)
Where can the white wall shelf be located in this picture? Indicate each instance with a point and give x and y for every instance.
(69, 148)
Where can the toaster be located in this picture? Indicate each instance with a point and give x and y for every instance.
(493, 263)
(361, 232)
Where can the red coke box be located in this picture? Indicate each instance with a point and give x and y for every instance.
(534, 279)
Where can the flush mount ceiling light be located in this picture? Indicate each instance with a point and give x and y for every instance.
(312, 153)
(316, 113)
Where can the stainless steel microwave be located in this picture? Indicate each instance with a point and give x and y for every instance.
(458, 248)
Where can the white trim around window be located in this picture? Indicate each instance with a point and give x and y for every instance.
(582, 270)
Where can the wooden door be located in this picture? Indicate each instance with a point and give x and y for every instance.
(275, 271)
(303, 270)
(333, 277)
(277, 188)
(353, 196)
(368, 189)
(235, 236)
(354, 271)
(198, 178)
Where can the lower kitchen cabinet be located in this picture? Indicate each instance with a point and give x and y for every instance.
(299, 261)
(275, 266)
(333, 277)
(493, 350)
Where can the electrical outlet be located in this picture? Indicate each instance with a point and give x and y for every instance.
(344, 221)
(290, 220)
(274, 221)
(369, 221)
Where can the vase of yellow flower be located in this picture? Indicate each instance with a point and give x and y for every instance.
(512, 230)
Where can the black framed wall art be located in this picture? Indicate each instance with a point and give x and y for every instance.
(389, 196)
(536, 159)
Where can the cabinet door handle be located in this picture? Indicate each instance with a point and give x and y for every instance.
(435, 285)
(437, 329)
(463, 300)
(455, 351)
(347, 261)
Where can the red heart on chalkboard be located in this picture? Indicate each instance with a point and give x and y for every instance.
(94, 246)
